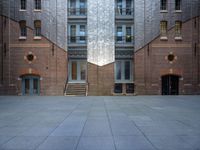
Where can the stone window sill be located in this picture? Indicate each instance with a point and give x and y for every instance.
(37, 37)
(22, 10)
(163, 38)
(37, 10)
(22, 38)
(163, 11)
(178, 11)
(178, 38)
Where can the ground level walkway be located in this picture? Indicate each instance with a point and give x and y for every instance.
(100, 123)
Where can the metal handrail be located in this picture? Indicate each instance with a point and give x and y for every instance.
(124, 11)
(77, 39)
(77, 11)
(124, 39)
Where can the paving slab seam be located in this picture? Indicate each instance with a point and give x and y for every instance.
(109, 124)
(79, 138)
(139, 130)
(58, 125)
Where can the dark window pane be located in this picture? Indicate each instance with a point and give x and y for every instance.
(35, 86)
(130, 88)
(23, 4)
(27, 86)
(163, 5)
(38, 4)
(177, 4)
(118, 70)
(118, 88)
(127, 70)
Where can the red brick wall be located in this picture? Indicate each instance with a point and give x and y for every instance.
(100, 79)
(50, 62)
(151, 62)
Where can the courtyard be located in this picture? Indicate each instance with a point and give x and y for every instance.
(100, 123)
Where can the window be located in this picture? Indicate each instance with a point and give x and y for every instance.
(119, 34)
(82, 33)
(124, 34)
(119, 7)
(77, 34)
(37, 25)
(123, 70)
(82, 7)
(23, 30)
(177, 4)
(38, 4)
(118, 88)
(128, 7)
(129, 88)
(163, 28)
(178, 28)
(128, 34)
(23, 4)
(163, 4)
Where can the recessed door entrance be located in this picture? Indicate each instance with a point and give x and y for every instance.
(30, 85)
(170, 85)
(77, 71)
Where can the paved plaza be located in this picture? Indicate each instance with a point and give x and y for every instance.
(100, 123)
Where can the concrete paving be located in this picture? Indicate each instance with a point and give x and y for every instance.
(100, 123)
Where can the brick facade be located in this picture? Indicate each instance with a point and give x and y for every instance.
(151, 61)
(100, 79)
(50, 61)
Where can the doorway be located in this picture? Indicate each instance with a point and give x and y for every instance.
(30, 85)
(170, 85)
(77, 71)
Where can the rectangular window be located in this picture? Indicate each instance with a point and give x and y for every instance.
(128, 34)
(177, 4)
(73, 33)
(118, 70)
(23, 4)
(38, 4)
(82, 7)
(163, 28)
(127, 70)
(37, 24)
(118, 88)
(119, 34)
(178, 28)
(163, 4)
(119, 7)
(82, 34)
(23, 30)
(128, 7)
(123, 70)
(130, 88)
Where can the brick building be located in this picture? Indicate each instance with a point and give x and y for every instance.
(87, 47)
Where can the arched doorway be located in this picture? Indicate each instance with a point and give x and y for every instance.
(30, 85)
(170, 85)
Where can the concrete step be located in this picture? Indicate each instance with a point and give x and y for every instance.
(76, 89)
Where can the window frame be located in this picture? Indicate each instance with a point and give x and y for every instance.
(23, 5)
(178, 7)
(38, 5)
(123, 72)
(37, 29)
(23, 28)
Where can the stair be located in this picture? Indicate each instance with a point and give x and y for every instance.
(76, 89)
